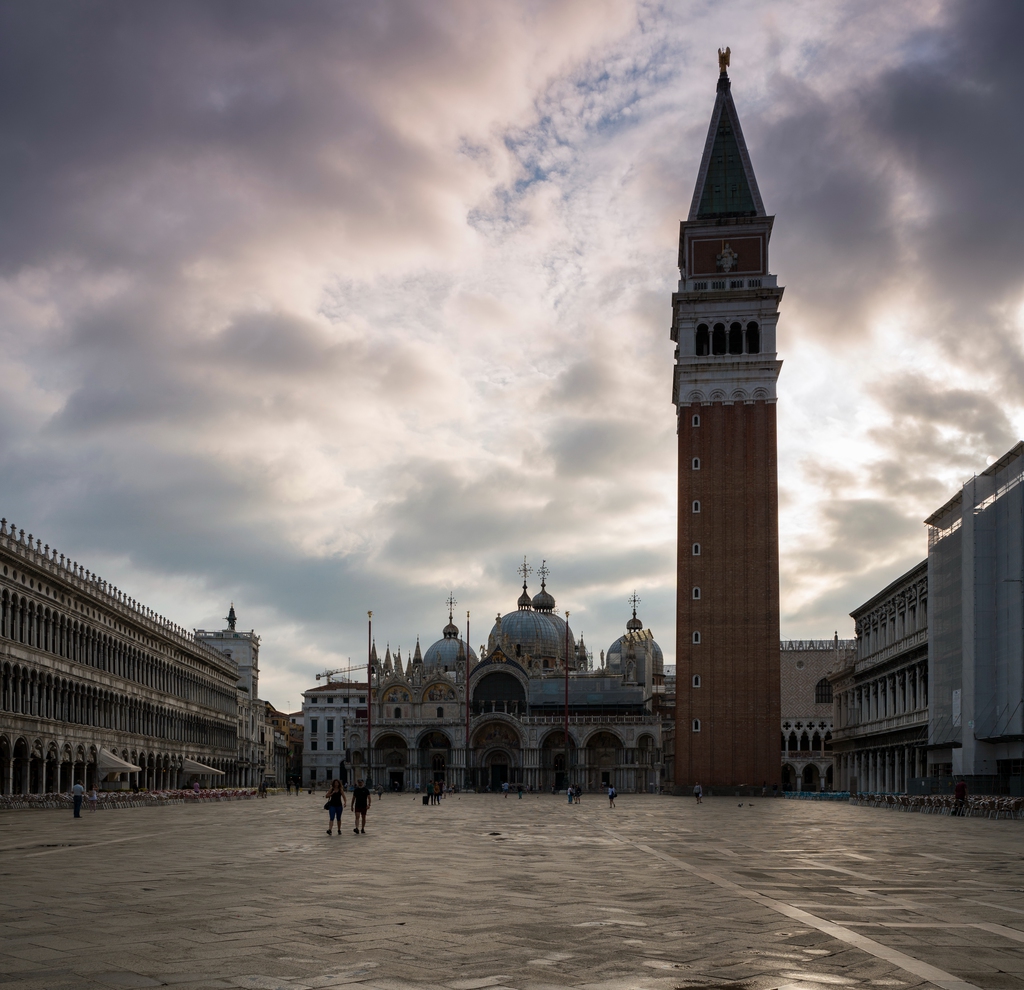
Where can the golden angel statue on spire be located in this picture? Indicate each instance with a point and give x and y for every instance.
(723, 59)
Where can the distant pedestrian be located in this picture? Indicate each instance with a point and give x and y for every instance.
(960, 796)
(577, 793)
(380, 791)
(611, 796)
(360, 805)
(335, 805)
(569, 793)
(698, 792)
(519, 791)
(93, 798)
(504, 788)
(77, 793)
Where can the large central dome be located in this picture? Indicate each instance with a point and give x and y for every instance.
(448, 651)
(533, 630)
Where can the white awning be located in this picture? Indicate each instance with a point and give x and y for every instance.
(112, 763)
(191, 766)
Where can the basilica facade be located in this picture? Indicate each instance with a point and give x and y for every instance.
(536, 712)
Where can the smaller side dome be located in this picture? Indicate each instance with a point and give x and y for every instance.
(525, 601)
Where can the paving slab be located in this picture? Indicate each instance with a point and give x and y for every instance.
(484, 893)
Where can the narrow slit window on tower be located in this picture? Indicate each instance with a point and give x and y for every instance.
(696, 505)
(696, 725)
(696, 637)
(696, 464)
(735, 338)
(696, 594)
(695, 420)
(718, 337)
(703, 341)
(753, 338)
(696, 549)
(696, 680)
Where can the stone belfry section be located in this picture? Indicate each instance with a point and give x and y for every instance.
(727, 615)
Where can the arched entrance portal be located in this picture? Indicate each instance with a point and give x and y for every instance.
(498, 755)
(435, 757)
(603, 758)
(552, 760)
(394, 754)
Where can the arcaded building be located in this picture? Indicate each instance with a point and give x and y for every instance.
(880, 693)
(97, 688)
(724, 318)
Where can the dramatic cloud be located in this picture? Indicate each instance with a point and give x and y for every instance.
(325, 307)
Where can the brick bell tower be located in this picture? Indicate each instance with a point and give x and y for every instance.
(727, 594)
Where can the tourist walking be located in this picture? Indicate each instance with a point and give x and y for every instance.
(698, 792)
(335, 805)
(577, 793)
(360, 805)
(569, 794)
(77, 793)
(504, 788)
(611, 796)
(93, 798)
(519, 791)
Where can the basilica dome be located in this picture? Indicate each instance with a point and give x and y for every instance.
(444, 654)
(642, 642)
(531, 631)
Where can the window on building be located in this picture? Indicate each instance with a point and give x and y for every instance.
(718, 337)
(695, 464)
(362, 701)
(703, 341)
(440, 712)
(696, 593)
(695, 420)
(312, 744)
(735, 338)
(696, 505)
(330, 701)
(823, 692)
(398, 713)
(330, 725)
(696, 725)
(696, 680)
(696, 637)
(330, 744)
(312, 724)
(753, 338)
(696, 549)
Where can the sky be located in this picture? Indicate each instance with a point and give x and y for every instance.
(324, 307)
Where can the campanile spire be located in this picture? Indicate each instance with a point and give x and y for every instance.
(724, 316)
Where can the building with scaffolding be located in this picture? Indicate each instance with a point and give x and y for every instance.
(976, 644)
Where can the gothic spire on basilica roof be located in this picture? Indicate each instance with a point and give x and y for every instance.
(417, 657)
(726, 186)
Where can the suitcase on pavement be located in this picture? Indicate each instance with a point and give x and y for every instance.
(426, 799)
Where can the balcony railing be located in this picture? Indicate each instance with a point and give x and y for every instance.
(856, 728)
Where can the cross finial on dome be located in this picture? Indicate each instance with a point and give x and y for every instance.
(451, 603)
(524, 571)
(634, 600)
(543, 572)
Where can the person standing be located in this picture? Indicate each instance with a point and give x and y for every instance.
(611, 796)
(335, 805)
(360, 805)
(960, 796)
(504, 788)
(77, 793)
(519, 791)
(568, 793)
(93, 798)
(698, 792)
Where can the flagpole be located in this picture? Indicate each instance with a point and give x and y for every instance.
(567, 697)
(369, 698)
(468, 771)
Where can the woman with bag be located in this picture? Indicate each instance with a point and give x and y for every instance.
(335, 805)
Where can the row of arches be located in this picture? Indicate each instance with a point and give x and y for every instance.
(32, 766)
(48, 629)
(737, 339)
(810, 777)
(499, 753)
(807, 743)
(25, 690)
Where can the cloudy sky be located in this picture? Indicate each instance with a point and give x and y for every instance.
(321, 307)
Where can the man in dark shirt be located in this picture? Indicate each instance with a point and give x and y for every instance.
(960, 796)
(360, 804)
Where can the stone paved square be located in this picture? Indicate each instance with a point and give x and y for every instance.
(485, 891)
